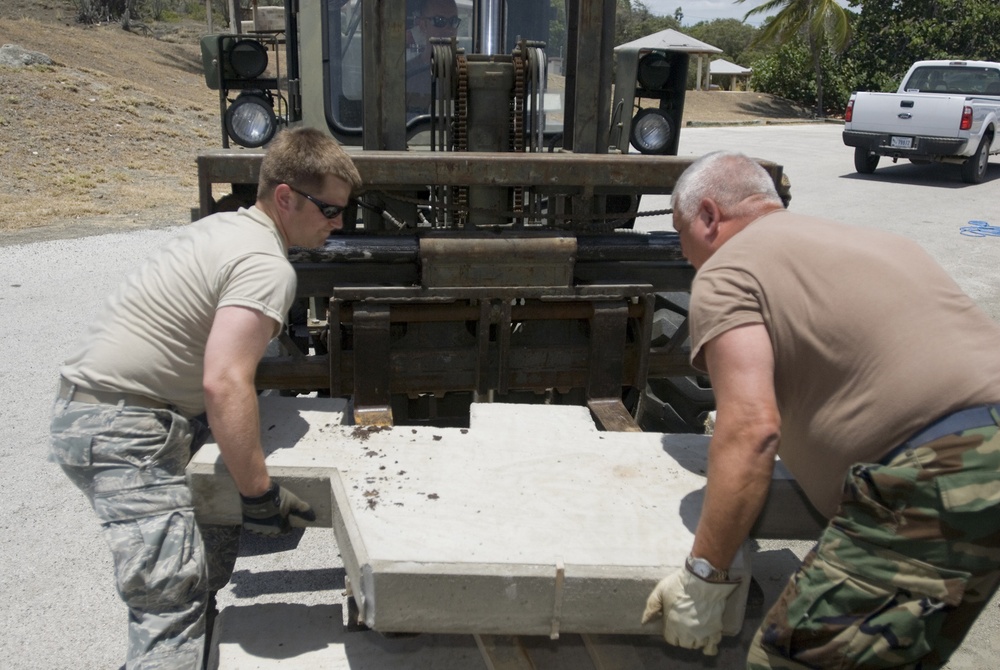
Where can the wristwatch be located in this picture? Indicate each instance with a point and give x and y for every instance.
(702, 569)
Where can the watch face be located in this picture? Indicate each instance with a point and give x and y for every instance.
(701, 569)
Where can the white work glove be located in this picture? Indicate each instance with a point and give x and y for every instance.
(691, 608)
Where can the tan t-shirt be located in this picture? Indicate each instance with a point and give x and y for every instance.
(149, 338)
(872, 339)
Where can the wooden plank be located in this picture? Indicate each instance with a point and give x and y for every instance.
(611, 653)
(611, 415)
(503, 652)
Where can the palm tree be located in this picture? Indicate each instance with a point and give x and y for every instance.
(825, 23)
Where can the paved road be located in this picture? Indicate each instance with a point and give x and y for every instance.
(61, 610)
(927, 203)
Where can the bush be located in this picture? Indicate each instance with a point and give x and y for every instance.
(788, 72)
(106, 11)
(100, 11)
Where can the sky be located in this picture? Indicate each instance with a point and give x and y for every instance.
(706, 10)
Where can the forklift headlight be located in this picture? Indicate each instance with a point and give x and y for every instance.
(651, 131)
(247, 58)
(250, 120)
(653, 71)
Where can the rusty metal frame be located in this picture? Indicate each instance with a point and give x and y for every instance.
(576, 175)
(378, 369)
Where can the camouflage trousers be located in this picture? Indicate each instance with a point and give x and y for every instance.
(130, 461)
(904, 568)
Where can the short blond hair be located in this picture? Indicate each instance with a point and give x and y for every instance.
(305, 157)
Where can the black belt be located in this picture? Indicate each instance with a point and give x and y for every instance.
(71, 392)
(951, 424)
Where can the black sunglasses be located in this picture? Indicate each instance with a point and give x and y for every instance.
(442, 21)
(326, 209)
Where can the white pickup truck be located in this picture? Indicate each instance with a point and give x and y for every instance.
(945, 111)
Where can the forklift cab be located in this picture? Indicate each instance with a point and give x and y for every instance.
(434, 57)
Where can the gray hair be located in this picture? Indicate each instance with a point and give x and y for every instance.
(727, 177)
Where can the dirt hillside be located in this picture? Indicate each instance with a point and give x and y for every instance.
(106, 137)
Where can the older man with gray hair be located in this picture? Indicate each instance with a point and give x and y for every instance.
(852, 355)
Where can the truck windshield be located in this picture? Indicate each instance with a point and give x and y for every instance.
(956, 80)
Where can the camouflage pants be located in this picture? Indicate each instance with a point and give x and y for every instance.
(129, 461)
(901, 573)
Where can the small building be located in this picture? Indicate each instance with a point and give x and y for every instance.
(722, 70)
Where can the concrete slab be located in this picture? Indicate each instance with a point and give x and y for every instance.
(304, 423)
(530, 522)
(298, 623)
(302, 448)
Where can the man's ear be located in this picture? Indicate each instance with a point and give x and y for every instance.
(283, 197)
(709, 216)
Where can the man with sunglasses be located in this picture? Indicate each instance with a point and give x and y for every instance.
(431, 19)
(178, 341)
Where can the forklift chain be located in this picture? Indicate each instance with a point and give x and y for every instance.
(461, 193)
(517, 121)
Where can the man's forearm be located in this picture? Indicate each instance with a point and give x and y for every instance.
(738, 483)
(234, 418)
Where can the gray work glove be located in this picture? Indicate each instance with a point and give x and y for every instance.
(269, 514)
(691, 609)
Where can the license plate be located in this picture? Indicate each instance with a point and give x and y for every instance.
(901, 142)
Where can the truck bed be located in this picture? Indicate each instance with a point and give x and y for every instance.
(926, 114)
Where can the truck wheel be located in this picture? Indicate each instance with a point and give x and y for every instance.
(865, 161)
(974, 167)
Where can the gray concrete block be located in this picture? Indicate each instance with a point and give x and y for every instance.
(530, 522)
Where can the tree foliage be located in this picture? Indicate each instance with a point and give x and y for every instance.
(557, 30)
(824, 24)
(733, 36)
(104, 11)
(634, 20)
(787, 71)
(890, 35)
(98, 11)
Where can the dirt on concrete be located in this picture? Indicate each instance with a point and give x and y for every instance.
(105, 138)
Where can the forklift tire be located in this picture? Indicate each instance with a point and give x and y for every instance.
(675, 404)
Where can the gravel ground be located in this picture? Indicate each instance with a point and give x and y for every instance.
(61, 607)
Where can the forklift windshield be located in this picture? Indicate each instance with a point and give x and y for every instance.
(494, 27)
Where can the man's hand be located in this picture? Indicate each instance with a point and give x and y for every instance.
(692, 610)
(268, 514)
